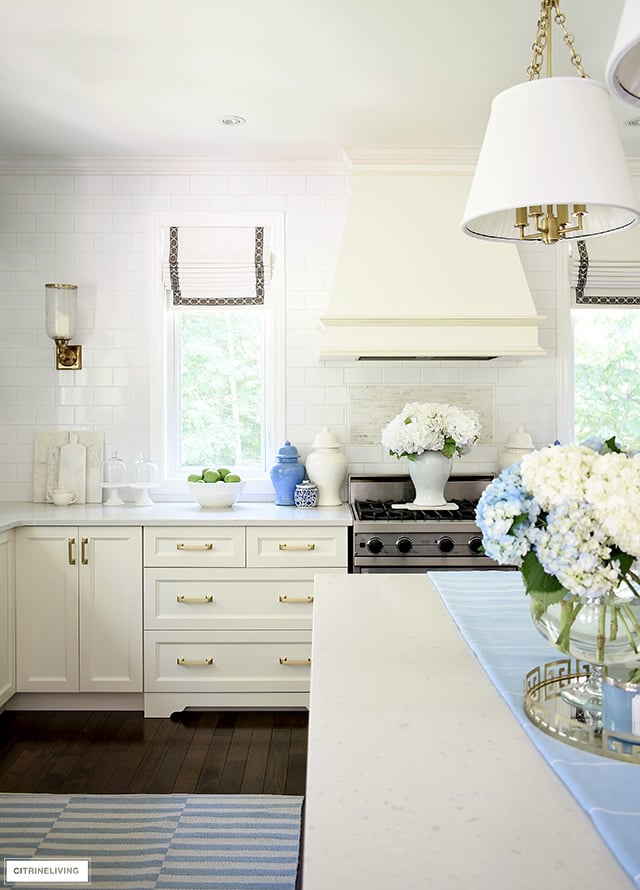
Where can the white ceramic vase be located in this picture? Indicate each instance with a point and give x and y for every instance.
(429, 472)
(327, 467)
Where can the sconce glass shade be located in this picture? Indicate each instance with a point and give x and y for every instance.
(623, 68)
(551, 141)
(61, 308)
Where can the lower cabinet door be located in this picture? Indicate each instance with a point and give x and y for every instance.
(7, 618)
(227, 661)
(110, 633)
(47, 609)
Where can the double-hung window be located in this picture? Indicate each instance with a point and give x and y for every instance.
(217, 390)
(605, 326)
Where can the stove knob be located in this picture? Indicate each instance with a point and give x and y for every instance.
(445, 544)
(475, 546)
(404, 545)
(374, 545)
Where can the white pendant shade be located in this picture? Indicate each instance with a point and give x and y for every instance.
(623, 67)
(551, 141)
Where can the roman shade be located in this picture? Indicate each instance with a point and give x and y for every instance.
(607, 273)
(216, 265)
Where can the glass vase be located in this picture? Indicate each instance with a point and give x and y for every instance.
(602, 631)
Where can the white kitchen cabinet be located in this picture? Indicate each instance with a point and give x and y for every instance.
(228, 614)
(79, 609)
(7, 618)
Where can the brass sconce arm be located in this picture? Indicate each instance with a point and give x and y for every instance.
(68, 356)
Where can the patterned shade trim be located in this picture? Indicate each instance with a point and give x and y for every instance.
(225, 279)
(605, 279)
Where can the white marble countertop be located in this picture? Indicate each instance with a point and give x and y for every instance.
(418, 775)
(13, 514)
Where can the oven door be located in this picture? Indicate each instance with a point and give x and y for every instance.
(378, 565)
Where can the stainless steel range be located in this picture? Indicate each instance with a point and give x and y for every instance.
(389, 535)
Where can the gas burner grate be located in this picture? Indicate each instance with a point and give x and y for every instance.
(384, 511)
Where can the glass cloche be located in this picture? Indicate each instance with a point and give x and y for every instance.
(114, 476)
(144, 475)
(144, 472)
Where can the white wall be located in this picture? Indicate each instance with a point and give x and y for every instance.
(91, 229)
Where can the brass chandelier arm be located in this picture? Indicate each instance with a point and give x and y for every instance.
(551, 224)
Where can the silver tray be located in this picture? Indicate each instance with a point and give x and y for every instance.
(544, 706)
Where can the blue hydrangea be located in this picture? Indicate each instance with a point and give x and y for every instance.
(503, 501)
(573, 546)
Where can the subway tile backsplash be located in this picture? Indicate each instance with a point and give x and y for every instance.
(92, 228)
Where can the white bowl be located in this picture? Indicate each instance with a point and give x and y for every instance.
(216, 494)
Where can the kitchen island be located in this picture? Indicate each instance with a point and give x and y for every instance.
(418, 774)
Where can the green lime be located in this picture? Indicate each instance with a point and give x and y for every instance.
(212, 476)
(193, 477)
(231, 477)
(223, 472)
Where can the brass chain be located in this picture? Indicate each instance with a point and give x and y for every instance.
(540, 43)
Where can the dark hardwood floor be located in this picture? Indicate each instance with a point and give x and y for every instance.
(122, 752)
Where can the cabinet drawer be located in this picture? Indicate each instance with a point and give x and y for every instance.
(295, 546)
(188, 546)
(227, 661)
(217, 599)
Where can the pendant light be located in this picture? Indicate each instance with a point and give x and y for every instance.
(552, 166)
(623, 68)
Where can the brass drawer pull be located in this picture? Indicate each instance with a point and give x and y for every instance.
(185, 662)
(83, 551)
(295, 662)
(70, 545)
(283, 598)
(296, 546)
(194, 599)
(182, 546)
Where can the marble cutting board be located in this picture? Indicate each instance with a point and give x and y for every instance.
(46, 464)
(72, 470)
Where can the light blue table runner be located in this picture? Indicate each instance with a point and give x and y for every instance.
(491, 610)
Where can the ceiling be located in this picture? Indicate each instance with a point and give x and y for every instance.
(152, 78)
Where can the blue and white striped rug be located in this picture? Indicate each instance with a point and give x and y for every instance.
(163, 841)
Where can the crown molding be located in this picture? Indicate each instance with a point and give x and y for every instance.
(351, 158)
(411, 156)
(173, 166)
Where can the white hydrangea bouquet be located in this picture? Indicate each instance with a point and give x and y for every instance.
(568, 516)
(427, 426)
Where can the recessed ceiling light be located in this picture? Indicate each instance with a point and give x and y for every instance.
(233, 120)
(633, 122)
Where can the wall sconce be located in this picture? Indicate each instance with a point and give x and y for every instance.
(61, 306)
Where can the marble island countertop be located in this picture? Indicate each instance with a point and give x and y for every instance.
(418, 775)
(13, 514)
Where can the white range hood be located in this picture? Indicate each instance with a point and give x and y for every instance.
(410, 286)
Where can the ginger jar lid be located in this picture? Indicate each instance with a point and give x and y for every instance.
(326, 439)
(288, 452)
(520, 439)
